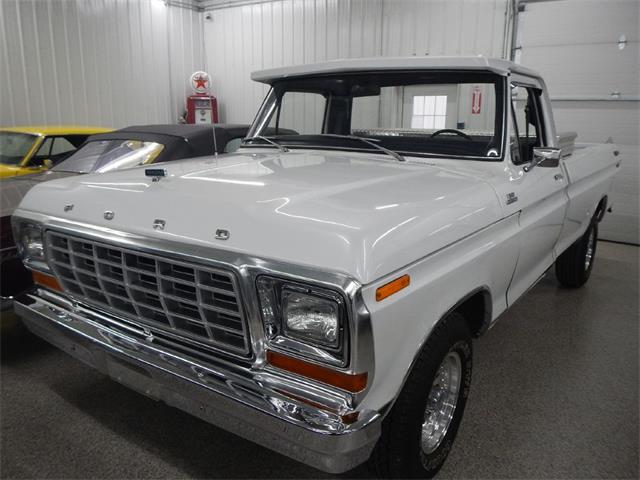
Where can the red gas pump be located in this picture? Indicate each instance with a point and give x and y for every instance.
(201, 107)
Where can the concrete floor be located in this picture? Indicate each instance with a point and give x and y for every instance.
(554, 395)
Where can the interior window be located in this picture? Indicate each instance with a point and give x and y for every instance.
(429, 111)
(526, 132)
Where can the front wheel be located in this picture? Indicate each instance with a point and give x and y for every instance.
(574, 266)
(418, 433)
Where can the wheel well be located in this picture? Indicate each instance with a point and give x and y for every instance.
(476, 309)
(601, 209)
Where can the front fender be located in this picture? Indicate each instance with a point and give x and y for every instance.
(401, 323)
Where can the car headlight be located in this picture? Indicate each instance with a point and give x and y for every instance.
(310, 317)
(306, 319)
(29, 240)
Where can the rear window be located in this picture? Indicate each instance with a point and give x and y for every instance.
(105, 155)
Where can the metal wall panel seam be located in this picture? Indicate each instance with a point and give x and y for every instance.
(6, 60)
(82, 69)
(36, 36)
(24, 66)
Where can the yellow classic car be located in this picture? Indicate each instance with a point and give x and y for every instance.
(25, 150)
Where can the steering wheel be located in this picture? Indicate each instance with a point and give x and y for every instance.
(452, 130)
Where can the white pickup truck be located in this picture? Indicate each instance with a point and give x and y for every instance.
(318, 291)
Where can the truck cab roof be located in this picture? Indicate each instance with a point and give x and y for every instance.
(480, 63)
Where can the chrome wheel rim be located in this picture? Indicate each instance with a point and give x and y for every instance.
(441, 403)
(588, 258)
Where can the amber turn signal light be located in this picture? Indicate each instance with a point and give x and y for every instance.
(45, 280)
(392, 287)
(346, 381)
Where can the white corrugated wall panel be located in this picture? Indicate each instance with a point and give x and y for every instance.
(443, 27)
(574, 45)
(245, 38)
(96, 62)
(186, 54)
(242, 39)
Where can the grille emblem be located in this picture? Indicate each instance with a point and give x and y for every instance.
(158, 224)
(108, 215)
(68, 208)
(222, 234)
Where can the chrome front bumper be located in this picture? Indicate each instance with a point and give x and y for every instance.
(248, 401)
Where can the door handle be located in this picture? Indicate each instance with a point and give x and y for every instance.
(558, 177)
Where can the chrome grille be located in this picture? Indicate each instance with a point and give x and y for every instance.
(201, 304)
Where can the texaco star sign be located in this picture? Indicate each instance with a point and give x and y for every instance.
(200, 82)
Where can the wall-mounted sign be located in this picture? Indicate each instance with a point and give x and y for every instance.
(476, 101)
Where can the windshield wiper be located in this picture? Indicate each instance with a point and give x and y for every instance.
(368, 141)
(281, 147)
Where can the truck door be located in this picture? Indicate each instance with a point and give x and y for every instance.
(537, 191)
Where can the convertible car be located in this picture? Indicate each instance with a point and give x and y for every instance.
(104, 152)
(27, 150)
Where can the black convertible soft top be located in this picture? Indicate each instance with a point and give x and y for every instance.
(181, 140)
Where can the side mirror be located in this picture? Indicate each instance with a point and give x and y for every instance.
(38, 163)
(544, 157)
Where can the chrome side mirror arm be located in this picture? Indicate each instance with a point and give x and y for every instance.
(550, 156)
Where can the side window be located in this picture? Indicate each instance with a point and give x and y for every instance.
(43, 153)
(300, 111)
(527, 131)
(56, 149)
(61, 146)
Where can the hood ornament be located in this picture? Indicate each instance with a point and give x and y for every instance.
(68, 207)
(108, 215)
(222, 234)
(158, 224)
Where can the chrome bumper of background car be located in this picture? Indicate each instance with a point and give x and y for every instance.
(250, 402)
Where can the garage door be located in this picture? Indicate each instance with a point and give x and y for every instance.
(587, 51)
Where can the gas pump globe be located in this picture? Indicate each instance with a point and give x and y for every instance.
(201, 106)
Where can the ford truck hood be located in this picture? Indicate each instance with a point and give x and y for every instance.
(362, 214)
(14, 189)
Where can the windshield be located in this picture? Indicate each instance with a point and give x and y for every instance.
(411, 113)
(101, 156)
(15, 146)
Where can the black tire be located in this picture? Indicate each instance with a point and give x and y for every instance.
(572, 268)
(398, 453)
